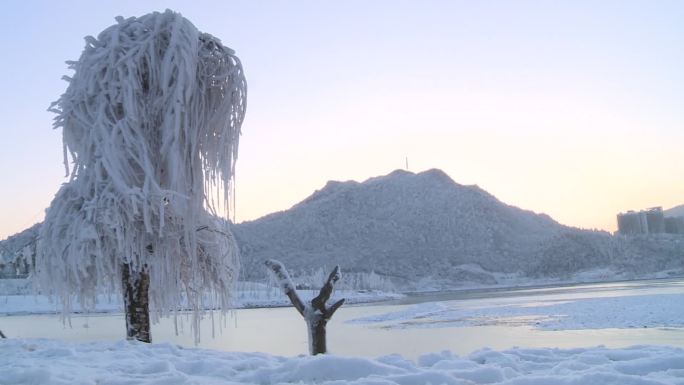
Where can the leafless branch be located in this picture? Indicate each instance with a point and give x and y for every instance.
(329, 313)
(326, 291)
(285, 283)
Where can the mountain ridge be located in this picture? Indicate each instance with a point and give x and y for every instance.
(424, 225)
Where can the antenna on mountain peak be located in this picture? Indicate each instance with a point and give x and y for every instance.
(407, 163)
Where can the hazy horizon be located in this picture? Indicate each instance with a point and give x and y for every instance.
(570, 108)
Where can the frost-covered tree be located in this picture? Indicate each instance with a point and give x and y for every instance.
(150, 120)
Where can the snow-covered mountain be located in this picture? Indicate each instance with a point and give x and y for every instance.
(424, 225)
(401, 224)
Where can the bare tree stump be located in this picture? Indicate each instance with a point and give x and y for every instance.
(317, 314)
(136, 303)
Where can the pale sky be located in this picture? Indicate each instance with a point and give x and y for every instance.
(570, 108)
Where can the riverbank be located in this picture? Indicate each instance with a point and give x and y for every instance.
(16, 297)
(26, 304)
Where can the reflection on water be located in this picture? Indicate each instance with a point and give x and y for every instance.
(282, 331)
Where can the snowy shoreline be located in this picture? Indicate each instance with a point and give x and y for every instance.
(271, 297)
(515, 281)
(27, 304)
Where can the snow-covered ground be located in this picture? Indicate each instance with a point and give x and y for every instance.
(57, 362)
(546, 313)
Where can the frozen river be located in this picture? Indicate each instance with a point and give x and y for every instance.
(611, 314)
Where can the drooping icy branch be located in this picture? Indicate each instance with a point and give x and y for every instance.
(151, 122)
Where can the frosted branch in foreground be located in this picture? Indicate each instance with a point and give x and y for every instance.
(279, 271)
(315, 314)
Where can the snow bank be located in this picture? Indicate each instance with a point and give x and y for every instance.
(56, 362)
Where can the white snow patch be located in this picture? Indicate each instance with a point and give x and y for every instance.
(638, 311)
(57, 362)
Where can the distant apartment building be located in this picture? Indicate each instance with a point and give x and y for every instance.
(649, 221)
(629, 223)
(632, 222)
(655, 220)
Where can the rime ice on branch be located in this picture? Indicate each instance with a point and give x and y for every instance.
(316, 314)
(151, 121)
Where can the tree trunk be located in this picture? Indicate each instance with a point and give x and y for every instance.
(317, 339)
(136, 303)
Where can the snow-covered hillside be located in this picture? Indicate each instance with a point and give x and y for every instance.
(401, 224)
(412, 226)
